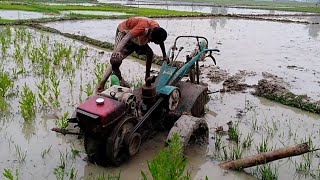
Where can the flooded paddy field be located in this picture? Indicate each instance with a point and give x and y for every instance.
(16, 14)
(244, 44)
(104, 13)
(46, 76)
(217, 10)
(33, 63)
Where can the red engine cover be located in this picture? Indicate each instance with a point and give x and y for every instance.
(108, 111)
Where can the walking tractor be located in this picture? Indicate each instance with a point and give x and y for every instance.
(116, 121)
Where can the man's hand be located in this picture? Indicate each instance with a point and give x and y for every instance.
(99, 89)
(117, 55)
(166, 58)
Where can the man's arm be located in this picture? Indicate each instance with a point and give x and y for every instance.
(123, 42)
(163, 50)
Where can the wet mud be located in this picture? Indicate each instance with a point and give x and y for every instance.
(249, 60)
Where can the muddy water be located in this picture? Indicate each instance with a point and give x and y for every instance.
(33, 138)
(216, 10)
(287, 50)
(15, 14)
(105, 13)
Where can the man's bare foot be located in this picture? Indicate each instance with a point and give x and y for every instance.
(100, 89)
(124, 83)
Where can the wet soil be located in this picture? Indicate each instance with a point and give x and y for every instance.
(248, 55)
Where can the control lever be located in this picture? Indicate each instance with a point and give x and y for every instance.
(180, 49)
(210, 55)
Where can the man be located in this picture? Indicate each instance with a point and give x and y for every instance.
(133, 35)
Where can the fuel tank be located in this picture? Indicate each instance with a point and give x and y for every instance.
(104, 108)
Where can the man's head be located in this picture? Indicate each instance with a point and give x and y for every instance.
(158, 35)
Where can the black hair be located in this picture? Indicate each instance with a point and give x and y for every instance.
(158, 35)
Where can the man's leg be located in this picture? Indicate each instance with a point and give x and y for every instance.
(115, 66)
(146, 50)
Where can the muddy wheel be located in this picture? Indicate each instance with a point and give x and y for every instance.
(117, 149)
(174, 99)
(92, 147)
(198, 107)
(192, 75)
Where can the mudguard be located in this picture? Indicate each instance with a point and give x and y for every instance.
(167, 90)
(193, 98)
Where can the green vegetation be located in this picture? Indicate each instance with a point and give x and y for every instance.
(62, 123)
(27, 103)
(169, 163)
(57, 1)
(9, 175)
(5, 83)
(265, 172)
(56, 9)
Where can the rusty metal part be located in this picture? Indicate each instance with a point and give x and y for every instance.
(64, 131)
(193, 98)
(174, 99)
(121, 94)
(116, 147)
(149, 94)
(134, 142)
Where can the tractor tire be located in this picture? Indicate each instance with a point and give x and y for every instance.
(198, 107)
(117, 150)
(93, 148)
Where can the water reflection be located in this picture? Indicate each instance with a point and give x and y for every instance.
(221, 21)
(28, 129)
(314, 29)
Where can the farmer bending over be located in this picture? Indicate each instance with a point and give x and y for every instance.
(133, 35)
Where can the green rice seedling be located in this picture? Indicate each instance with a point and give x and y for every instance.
(99, 70)
(5, 83)
(73, 174)
(254, 123)
(4, 46)
(218, 142)
(108, 177)
(55, 84)
(3, 104)
(71, 83)
(42, 91)
(236, 152)
(46, 151)
(265, 172)
(263, 147)
(137, 84)
(89, 89)
(74, 152)
(82, 52)
(304, 166)
(63, 121)
(8, 174)
(46, 69)
(20, 154)
(27, 45)
(59, 171)
(234, 133)
(20, 33)
(8, 31)
(247, 142)
(27, 103)
(18, 55)
(309, 141)
(169, 163)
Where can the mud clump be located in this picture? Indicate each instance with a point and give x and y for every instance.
(217, 75)
(266, 87)
(234, 83)
(274, 91)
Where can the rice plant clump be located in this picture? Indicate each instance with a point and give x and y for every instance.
(169, 163)
(8, 174)
(5, 83)
(27, 103)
